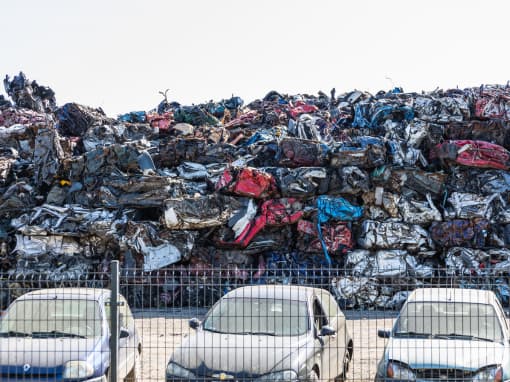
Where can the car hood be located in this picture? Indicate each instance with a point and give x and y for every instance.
(205, 352)
(444, 353)
(45, 352)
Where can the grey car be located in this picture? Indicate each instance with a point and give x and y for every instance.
(63, 335)
(266, 333)
(447, 334)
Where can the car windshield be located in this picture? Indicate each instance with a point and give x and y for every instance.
(449, 320)
(52, 318)
(264, 316)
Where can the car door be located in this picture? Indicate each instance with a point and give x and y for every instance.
(337, 345)
(328, 344)
(128, 346)
(337, 321)
(503, 316)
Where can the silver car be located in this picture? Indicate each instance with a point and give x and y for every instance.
(64, 335)
(447, 334)
(266, 333)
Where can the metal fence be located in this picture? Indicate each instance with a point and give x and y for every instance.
(264, 331)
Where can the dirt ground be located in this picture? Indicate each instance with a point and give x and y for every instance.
(163, 331)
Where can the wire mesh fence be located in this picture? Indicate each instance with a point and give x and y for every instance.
(208, 324)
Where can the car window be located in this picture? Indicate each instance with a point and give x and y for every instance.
(319, 316)
(126, 319)
(58, 316)
(264, 316)
(502, 312)
(452, 318)
(329, 304)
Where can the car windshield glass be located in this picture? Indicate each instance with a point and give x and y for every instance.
(53, 318)
(449, 320)
(263, 316)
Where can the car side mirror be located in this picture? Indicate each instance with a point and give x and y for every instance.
(194, 323)
(327, 331)
(383, 333)
(124, 333)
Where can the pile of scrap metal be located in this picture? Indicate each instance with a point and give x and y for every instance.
(350, 192)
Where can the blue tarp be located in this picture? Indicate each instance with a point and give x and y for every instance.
(367, 116)
(133, 117)
(336, 208)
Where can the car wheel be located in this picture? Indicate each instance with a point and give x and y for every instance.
(345, 364)
(131, 377)
(134, 374)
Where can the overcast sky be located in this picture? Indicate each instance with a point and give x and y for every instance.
(120, 54)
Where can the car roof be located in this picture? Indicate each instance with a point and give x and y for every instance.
(67, 293)
(452, 295)
(285, 292)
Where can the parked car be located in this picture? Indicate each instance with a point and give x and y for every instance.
(63, 335)
(447, 334)
(266, 333)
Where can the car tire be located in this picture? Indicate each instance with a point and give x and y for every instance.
(345, 364)
(131, 377)
(134, 374)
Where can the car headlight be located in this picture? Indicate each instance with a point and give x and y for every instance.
(77, 370)
(176, 370)
(397, 370)
(284, 375)
(493, 373)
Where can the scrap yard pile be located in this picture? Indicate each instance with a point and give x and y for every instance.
(344, 190)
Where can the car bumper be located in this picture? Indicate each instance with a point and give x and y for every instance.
(208, 379)
(36, 379)
(377, 379)
(204, 379)
(97, 379)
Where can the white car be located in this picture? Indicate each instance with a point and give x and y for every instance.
(266, 333)
(64, 335)
(447, 334)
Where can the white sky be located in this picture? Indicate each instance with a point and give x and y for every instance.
(119, 54)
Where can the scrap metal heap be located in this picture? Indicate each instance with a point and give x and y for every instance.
(355, 192)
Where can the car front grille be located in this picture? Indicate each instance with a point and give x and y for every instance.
(213, 379)
(450, 375)
(208, 379)
(33, 374)
(30, 378)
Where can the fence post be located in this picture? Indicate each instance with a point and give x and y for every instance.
(114, 319)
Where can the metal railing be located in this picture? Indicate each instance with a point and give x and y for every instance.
(150, 324)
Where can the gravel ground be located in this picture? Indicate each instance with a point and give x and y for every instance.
(163, 331)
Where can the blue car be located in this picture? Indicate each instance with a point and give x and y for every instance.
(63, 335)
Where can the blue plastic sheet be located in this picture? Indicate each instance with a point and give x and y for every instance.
(262, 136)
(382, 112)
(336, 208)
(133, 117)
(365, 116)
(360, 143)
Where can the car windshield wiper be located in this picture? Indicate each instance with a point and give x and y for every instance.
(462, 336)
(258, 333)
(56, 333)
(242, 333)
(412, 334)
(214, 330)
(12, 333)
